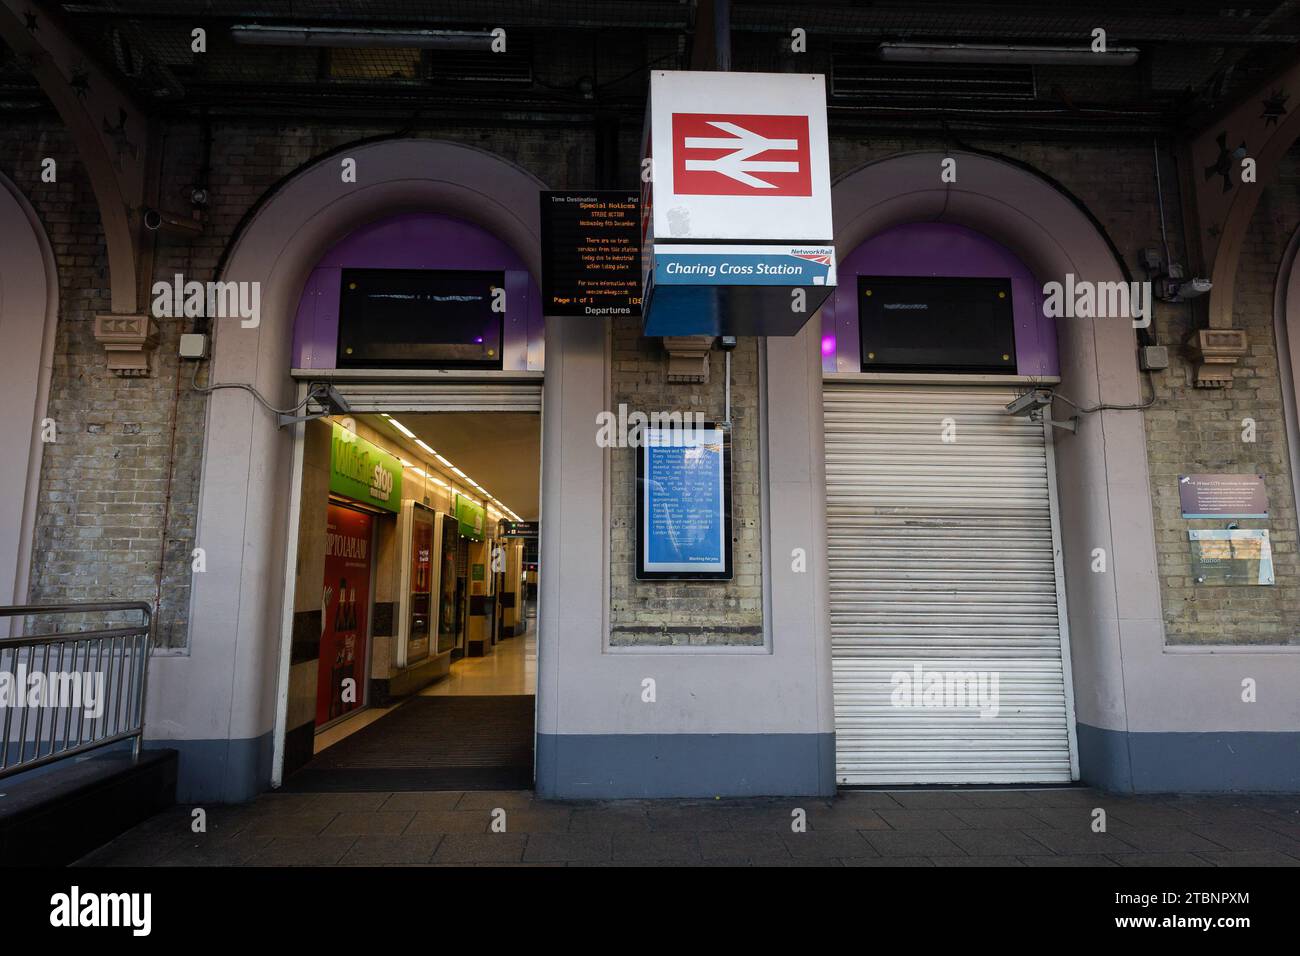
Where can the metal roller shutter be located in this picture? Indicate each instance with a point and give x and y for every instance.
(943, 555)
(442, 397)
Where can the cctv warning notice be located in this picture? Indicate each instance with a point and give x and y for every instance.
(591, 244)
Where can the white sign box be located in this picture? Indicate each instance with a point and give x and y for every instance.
(738, 156)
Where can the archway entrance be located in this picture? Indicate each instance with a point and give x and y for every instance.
(242, 636)
(949, 642)
(416, 502)
(414, 663)
(28, 315)
(1095, 468)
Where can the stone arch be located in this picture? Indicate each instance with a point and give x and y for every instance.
(1286, 326)
(1102, 475)
(242, 522)
(29, 309)
(116, 169)
(1226, 258)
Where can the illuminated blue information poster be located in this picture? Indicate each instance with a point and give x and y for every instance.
(684, 503)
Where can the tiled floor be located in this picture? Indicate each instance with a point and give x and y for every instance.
(511, 669)
(859, 828)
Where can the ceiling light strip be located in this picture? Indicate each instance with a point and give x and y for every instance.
(486, 497)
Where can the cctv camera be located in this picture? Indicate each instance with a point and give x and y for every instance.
(330, 400)
(1030, 402)
(1176, 290)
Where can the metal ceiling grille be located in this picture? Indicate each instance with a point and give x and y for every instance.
(512, 68)
(573, 58)
(409, 67)
(18, 88)
(1174, 21)
(857, 74)
(1195, 55)
(579, 14)
(264, 57)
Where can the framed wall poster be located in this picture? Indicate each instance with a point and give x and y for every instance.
(683, 503)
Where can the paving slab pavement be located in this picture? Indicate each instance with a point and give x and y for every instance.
(976, 827)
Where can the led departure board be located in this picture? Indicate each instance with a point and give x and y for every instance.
(591, 247)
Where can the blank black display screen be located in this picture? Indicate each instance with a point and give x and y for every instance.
(936, 324)
(412, 318)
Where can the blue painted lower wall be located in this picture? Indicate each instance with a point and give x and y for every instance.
(221, 771)
(1189, 762)
(610, 766)
(596, 766)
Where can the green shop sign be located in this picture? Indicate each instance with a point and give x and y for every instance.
(471, 517)
(364, 472)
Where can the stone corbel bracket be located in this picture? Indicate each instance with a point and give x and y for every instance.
(128, 341)
(1216, 352)
(688, 357)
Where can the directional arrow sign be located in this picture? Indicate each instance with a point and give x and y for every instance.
(738, 164)
(758, 155)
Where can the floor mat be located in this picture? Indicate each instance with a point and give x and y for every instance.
(432, 743)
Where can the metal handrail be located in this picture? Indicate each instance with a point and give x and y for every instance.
(113, 715)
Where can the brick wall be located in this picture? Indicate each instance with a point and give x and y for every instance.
(686, 612)
(127, 462)
(1201, 431)
(1191, 430)
(116, 474)
(119, 488)
(1188, 430)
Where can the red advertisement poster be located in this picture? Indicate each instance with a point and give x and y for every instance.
(345, 604)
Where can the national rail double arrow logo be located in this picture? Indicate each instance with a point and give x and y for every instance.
(729, 154)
